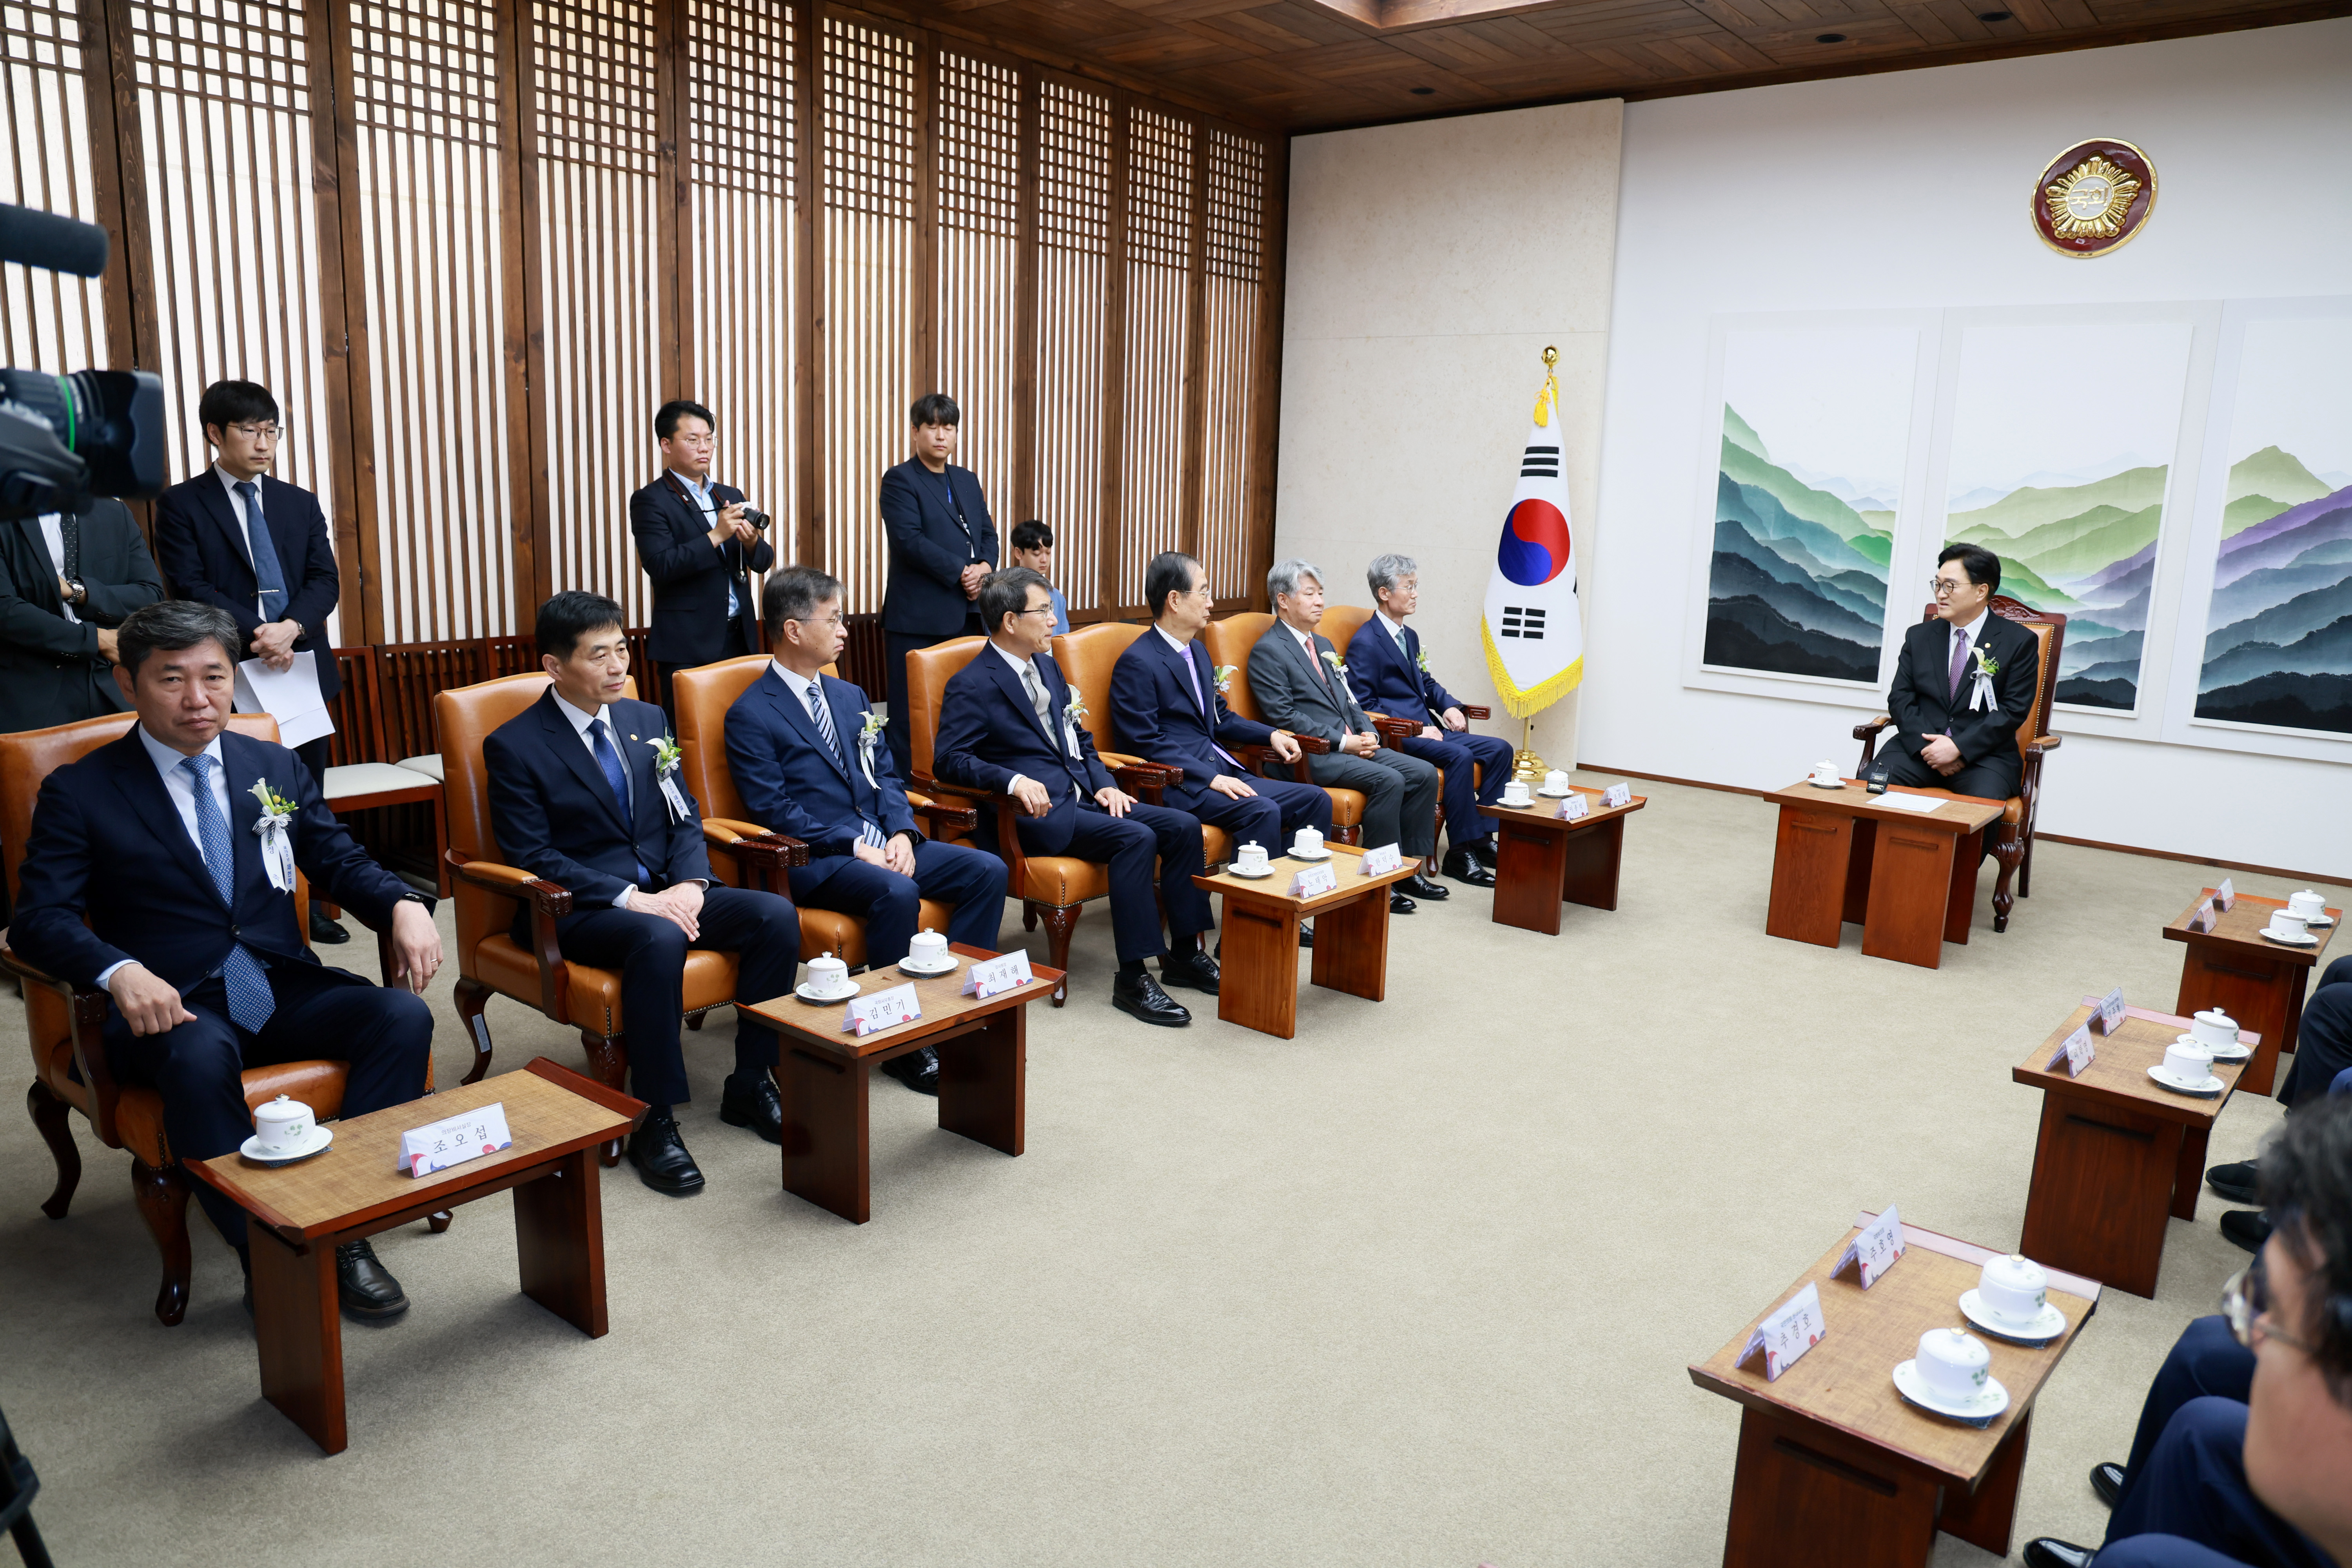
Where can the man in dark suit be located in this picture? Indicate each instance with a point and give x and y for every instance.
(1301, 683)
(1006, 727)
(1388, 675)
(579, 795)
(698, 543)
(808, 762)
(154, 839)
(256, 547)
(1167, 707)
(942, 544)
(1963, 684)
(66, 582)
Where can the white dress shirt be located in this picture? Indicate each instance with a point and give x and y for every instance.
(580, 720)
(701, 494)
(181, 785)
(53, 535)
(1396, 632)
(1967, 635)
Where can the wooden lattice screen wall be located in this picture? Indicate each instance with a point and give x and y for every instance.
(471, 245)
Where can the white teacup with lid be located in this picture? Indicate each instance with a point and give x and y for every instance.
(2189, 1064)
(2288, 924)
(2307, 905)
(1825, 773)
(1554, 783)
(2215, 1030)
(282, 1126)
(2013, 1290)
(1515, 792)
(1308, 842)
(1954, 1365)
(1251, 858)
(827, 975)
(929, 949)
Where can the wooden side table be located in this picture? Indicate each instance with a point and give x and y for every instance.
(1259, 988)
(1909, 877)
(301, 1213)
(821, 1072)
(1833, 1466)
(2258, 982)
(1542, 862)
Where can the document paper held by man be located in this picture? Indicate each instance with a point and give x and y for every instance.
(1533, 636)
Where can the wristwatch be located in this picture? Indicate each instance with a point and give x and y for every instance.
(81, 594)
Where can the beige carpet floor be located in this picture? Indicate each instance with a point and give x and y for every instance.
(1417, 1287)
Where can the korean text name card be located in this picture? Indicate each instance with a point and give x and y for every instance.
(1787, 1333)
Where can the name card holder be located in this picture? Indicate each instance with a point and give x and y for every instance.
(2225, 897)
(1877, 1249)
(995, 976)
(885, 1009)
(1381, 861)
(2110, 1015)
(1574, 808)
(1615, 795)
(1314, 882)
(2205, 917)
(454, 1139)
(1787, 1333)
(2076, 1050)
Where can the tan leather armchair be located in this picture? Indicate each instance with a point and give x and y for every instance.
(1229, 641)
(1341, 624)
(2010, 840)
(704, 695)
(62, 1025)
(490, 962)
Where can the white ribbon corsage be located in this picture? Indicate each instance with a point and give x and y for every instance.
(1073, 713)
(1420, 661)
(667, 759)
(1338, 667)
(276, 843)
(1222, 674)
(869, 737)
(1982, 698)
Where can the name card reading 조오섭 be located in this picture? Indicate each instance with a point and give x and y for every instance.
(454, 1139)
(2225, 897)
(1381, 861)
(995, 976)
(2076, 1050)
(2204, 917)
(1314, 882)
(2111, 1012)
(1574, 806)
(1877, 1249)
(885, 1009)
(1615, 795)
(1787, 1333)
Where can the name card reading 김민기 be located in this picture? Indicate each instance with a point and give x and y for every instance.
(1314, 882)
(882, 1010)
(995, 976)
(1787, 1333)
(2076, 1050)
(1616, 794)
(2110, 1015)
(1877, 1249)
(454, 1139)
(1381, 861)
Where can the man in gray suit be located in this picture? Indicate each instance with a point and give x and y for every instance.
(1300, 686)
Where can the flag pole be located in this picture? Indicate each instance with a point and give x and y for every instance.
(1527, 767)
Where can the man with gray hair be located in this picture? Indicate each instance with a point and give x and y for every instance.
(1301, 685)
(1389, 674)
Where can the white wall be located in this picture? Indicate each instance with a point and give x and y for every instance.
(1908, 191)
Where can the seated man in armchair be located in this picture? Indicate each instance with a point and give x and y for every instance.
(1964, 683)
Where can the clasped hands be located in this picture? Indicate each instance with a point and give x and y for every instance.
(273, 643)
(971, 577)
(1940, 755)
(896, 855)
(151, 1006)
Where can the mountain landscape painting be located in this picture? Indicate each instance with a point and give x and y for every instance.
(2278, 628)
(2062, 449)
(1808, 476)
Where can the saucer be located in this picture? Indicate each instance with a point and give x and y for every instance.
(2305, 940)
(2206, 1091)
(1235, 870)
(1555, 794)
(1978, 1410)
(319, 1138)
(1818, 784)
(2236, 1053)
(826, 998)
(2041, 1331)
(2319, 922)
(1301, 855)
(908, 967)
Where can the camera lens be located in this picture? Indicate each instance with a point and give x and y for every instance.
(111, 419)
(756, 518)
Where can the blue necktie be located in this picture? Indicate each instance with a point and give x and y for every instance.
(870, 833)
(267, 577)
(250, 1000)
(610, 760)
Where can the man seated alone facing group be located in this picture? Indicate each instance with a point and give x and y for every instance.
(1007, 726)
(197, 946)
(808, 762)
(577, 797)
(1964, 683)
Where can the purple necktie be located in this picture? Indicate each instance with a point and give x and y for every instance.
(1208, 718)
(1959, 663)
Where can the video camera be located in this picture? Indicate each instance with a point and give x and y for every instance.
(66, 438)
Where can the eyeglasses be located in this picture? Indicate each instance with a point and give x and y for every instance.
(2245, 1304)
(259, 432)
(1943, 587)
(834, 620)
(1037, 610)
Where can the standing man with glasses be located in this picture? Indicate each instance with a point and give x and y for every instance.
(256, 546)
(1964, 683)
(701, 545)
(943, 547)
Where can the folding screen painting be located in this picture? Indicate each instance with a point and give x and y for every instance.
(2278, 627)
(2062, 447)
(1816, 426)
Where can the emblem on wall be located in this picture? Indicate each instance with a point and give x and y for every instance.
(2092, 197)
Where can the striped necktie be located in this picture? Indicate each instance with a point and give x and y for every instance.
(871, 832)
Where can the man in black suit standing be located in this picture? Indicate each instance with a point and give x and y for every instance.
(66, 582)
(1964, 683)
(238, 538)
(942, 546)
(696, 542)
(154, 842)
(581, 794)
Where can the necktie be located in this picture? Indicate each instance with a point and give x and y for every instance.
(1038, 695)
(267, 577)
(250, 1000)
(870, 832)
(610, 760)
(70, 535)
(1207, 715)
(1315, 660)
(1959, 661)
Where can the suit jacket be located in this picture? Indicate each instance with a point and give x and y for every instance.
(927, 552)
(1392, 682)
(203, 549)
(1921, 700)
(1155, 712)
(689, 573)
(1290, 695)
(108, 842)
(989, 733)
(791, 782)
(554, 816)
(50, 669)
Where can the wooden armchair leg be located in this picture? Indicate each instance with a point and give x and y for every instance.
(1028, 916)
(608, 1063)
(472, 998)
(54, 1117)
(2011, 853)
(163, 1199)
(1061, 920)
(694, 1019)
(2025, 871)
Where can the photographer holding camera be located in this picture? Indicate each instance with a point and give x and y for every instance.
(701, 545)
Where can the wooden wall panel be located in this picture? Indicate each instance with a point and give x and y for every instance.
(48, 322)
(976, 292)
(1072, 278)
(1231, 314)
(1160, 231)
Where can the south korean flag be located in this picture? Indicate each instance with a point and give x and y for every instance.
(1533, 636)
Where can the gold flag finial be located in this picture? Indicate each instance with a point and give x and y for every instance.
(1549, 398)
(1552, 357)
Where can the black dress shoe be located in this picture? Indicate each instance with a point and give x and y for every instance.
(2248, 1228)
(326, 930)
(1463, 867)
(1420, 887)
(1306, 936)
(367, 1288)
(2049, 1552)
(2107, 1480)
(659, 1154)
(1398, 903)
(1482, 850)
(1197, 969)
(753, 1102)
(2235, 1183)
(919, 1070)
(1142, 998)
